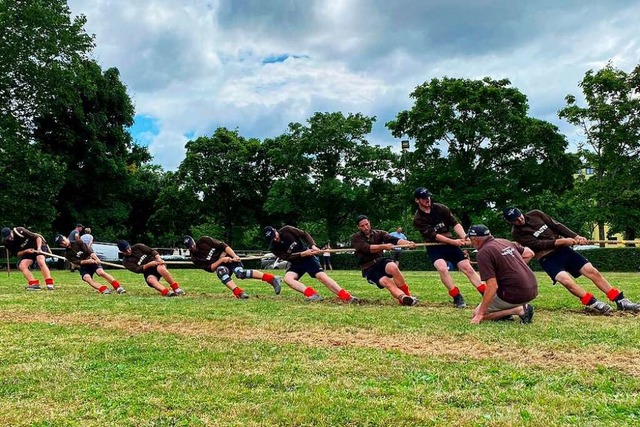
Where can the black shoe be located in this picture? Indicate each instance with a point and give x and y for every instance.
(527, 316)
(408, 300)
(458, 301)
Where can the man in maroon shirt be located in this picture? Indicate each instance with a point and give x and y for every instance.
(551, 241)
(381, 271)
(142, 259)
(435, 221)
(213, 255)
(78, 253)
(298, 247)
(27, 245)
(511, 284)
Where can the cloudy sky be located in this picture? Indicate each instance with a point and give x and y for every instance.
(258, 65)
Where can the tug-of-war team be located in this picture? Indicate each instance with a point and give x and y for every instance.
(505, 281)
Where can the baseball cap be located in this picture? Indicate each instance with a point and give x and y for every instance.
(511, 214)
(79, 225)
(360, 218)
(421, 193)
(479, 230)
(188, 241)
(123, 245)
(5, 232)
(269, 233)
(58, 239)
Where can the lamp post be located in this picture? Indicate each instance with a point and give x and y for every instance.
(405, 148)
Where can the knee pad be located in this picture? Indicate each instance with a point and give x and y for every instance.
(223, 274)
(241, 273)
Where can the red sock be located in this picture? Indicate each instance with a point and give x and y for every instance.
(175, 285)
(482, 288)
(102, 289)
(48, 281)
(164, 292)
(115, 284)
(613, 294)
(587, 299)
(267, 277)
(344, 295)
(309, 291)
(454, 292)
(405, 289)
(237, 291)
(33, 282)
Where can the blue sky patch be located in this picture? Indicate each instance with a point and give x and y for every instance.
(143, 128)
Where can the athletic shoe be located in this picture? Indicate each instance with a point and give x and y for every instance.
(408, 300)
(179, 292)
(34, 288)
(314, 297)
(243, 295)
(598, 307)
(277, 285)
(458, 301)
(353, 300)
(106, 292)
(50, 288)
(527, 316)
(626, 305)
(121, 290)
(171, 294)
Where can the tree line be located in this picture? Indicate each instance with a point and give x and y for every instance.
(67, 155)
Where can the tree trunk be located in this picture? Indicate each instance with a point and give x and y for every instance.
(601, 235)
(630, 234)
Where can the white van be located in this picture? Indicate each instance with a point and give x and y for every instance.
(106, 251)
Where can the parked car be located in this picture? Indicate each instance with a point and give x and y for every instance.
(106, 251)
(270, 262)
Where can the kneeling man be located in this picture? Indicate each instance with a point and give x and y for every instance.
(511, 284)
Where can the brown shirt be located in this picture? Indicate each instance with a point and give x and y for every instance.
(208, 251)
(292, 242)
(77, 251)
(539, 232)
(362, 245)
(22, 239)
(502, 260)
(439, 221)
(140, 255)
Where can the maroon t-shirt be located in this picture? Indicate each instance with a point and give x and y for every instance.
(502, 260)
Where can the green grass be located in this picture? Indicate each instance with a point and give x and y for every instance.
(76, 358)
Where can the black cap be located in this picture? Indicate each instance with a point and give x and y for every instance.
(58, 239)
(479, 230)
(188, 241)
(269, 233)
(511, 214)
(79, 225)
(5, 232)
(421, 193)
(123, 245)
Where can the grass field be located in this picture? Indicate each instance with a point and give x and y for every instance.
(73, 357)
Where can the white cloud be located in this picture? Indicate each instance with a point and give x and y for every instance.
(194, 65)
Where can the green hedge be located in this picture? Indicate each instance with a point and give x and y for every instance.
(604, 259)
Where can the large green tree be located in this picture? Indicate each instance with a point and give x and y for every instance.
(327, 171)
(610, 123)
(228, 174)
(40, 46)
(477, 150)
(86, 130)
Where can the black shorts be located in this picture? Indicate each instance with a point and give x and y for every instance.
(153, 271)
(33, 257)
(563, 259)
(309, 265)
(448, 253)
(89, 269)
(377, 271)
(230, 265)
